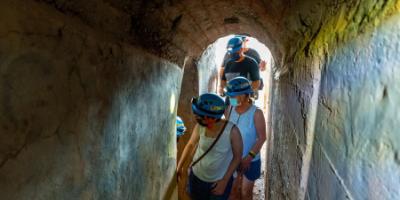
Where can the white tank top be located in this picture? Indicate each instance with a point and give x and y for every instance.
(245, 123)
(213, 166)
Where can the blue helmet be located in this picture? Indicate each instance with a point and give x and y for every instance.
(243, 37)
(234, 44)
(208, 104)
(238, 86)
(180, 127)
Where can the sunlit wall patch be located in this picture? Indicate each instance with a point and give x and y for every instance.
(172, 103)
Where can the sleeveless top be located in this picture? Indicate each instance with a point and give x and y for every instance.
(245, 123)
(213, 166)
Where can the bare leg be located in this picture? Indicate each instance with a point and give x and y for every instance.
(236, 188)
(247, 189)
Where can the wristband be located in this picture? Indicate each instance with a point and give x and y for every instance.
(252, 154)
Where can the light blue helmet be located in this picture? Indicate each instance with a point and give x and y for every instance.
(180, 127)
(208, 104)
(238, 86)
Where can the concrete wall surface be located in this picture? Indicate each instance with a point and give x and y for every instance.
(81, 112)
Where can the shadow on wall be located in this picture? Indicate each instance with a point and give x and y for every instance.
(80, 115)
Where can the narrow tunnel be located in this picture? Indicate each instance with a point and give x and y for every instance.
(89, 91)
(208, 67)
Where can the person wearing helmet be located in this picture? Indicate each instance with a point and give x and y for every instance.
(251, 123)
(250, 52)
(180, 128)
(240, 61)
(218, 152)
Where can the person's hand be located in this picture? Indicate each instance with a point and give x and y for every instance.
(219, 187)
(245, 164)
(262, 65)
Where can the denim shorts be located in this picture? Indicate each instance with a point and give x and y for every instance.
(201, 190)
(254, 171)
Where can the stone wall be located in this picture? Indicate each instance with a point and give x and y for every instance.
(335, 120)
(357, 141)
(81, 111)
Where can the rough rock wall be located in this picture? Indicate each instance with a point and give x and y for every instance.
(335, 123)
(81, 111)
(357, 141)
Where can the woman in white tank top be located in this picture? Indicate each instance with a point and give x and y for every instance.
(251, 123)
(211, 173)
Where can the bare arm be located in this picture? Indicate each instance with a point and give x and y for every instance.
(237, 148)
(262, 65)
(259, 122)
(221, 72)
(222, 83)
(190, 147)
(255, 85)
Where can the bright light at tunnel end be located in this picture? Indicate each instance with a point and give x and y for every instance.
(221, 43)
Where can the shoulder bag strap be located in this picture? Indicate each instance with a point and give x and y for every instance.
(215, 141)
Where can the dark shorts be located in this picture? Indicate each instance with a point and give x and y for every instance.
(254, 171)
(201, 190)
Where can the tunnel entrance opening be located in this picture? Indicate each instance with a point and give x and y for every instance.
(209, 66)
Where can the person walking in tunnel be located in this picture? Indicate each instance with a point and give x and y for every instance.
(218, 153)
(240, 61)
(251, 122)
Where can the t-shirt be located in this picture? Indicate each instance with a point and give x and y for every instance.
(252, 53)
(247, 68)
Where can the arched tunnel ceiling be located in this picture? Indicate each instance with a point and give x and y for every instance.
(188, 27)
(73, 72)
(174, 29)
